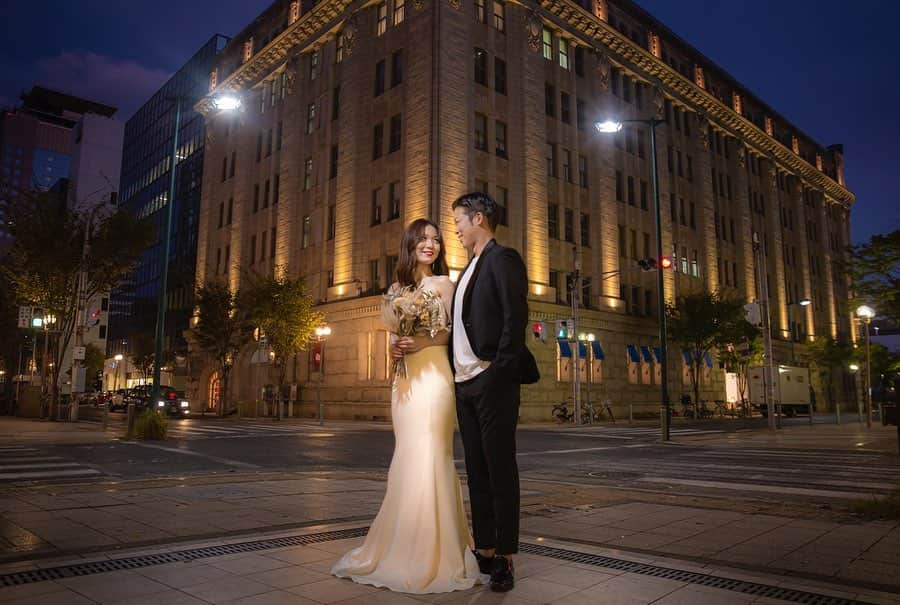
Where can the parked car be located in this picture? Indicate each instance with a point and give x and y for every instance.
(170, 401)
(116, 400)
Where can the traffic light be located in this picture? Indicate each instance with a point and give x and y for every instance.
(572, 281)
(93, 317)
(666, 262)
(560, 329)
(539, 331)
(647, 264)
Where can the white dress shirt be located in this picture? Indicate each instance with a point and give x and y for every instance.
(466, 363)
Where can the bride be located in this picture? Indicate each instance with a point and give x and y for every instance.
(419, 542)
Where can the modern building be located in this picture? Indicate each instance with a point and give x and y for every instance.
(36, 145)
(146, 171)
(358, 119)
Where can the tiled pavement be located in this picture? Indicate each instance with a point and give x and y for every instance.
(300, 575)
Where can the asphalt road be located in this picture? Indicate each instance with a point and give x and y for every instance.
(616, 456)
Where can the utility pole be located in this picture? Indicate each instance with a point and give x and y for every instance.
(573, 336)
(768, 374)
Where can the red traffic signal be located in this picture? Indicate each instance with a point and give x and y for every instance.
(666, 262)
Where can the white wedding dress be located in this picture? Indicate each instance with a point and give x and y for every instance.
(419, 542)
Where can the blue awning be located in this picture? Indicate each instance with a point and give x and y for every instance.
(633, 354)
(598, 350)
(707, 359)
(645, 351)
(582, 350)
(658, 353)
(565, 349)
(687, 358)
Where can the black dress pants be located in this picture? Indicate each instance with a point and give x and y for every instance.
(487, 407)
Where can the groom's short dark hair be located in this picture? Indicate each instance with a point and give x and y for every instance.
(476, 202)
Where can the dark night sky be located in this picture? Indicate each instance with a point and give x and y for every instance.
(830, 67)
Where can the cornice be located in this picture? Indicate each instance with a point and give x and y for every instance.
(278, 50)
(703, 102)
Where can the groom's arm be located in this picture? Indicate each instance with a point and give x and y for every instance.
(511, 280)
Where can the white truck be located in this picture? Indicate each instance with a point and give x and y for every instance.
(792, 392)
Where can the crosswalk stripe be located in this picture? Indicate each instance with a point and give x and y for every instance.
(80, 472)
(19, 467)
(30, 459)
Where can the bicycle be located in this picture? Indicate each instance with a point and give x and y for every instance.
(721, 409)
(561, 413)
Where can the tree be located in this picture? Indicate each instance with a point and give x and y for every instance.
(282, 309)
(743, 354)
(828, 357)
(702, 321)
(875, 270)
(93, 361)
(885, 370)
(47, 258)
(221, 330)
(143, 352)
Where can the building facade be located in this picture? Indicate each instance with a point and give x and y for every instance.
(357, 120)
(146, 171)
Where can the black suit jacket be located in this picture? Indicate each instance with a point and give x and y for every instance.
(495, 313)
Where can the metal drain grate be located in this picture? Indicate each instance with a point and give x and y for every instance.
(95, 567)
(678, 575)
(743, 587)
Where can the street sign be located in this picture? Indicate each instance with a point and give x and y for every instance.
(570, 328)
(78, 353)
(24, 317)
(753, 313)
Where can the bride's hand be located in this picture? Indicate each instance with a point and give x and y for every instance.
(406, 345)
(395, 348)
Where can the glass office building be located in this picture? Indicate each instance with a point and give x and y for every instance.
(146, 162)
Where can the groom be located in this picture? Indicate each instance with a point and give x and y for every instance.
(490, 361)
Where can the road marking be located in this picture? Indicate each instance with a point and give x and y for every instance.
(587, 449)
(48, 465)
(35, 459)
(752, 487)
(176, 450)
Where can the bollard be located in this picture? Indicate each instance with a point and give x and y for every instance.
(811, 412)
(105, 416)
(630, 413)
(130, 417)
(837, 413)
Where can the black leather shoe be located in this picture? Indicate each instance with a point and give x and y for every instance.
(485, 564)
(502, 574)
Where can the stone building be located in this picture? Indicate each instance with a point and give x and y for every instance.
(358, 117)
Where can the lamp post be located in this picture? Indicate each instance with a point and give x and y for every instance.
(613, 127)
(866, 313)
(322, 333)
(588, 362)
(118, 359)
(854, 370)
(805, 302)
(222, 103)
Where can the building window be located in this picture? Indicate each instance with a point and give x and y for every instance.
(553, 221)
(307, 174)
(580, 117)
(329, 278)
(377, 140)
(564, 53)
(567, 165)
(640, 143)
(381, 19)
(503, 205)
(399, 11)
(394, 200)
(332, 221)
(266, 196)
(568, 224)
(262, 245)
(582, 172)
(500, 75)
(304, 236)
(480, 58)
(376, 207)
(547, 38)
(551, 160)
(339, 48)
(269, 140)
(272, 244)
(332, 171)
(619, 188)
(631, 191)
(218, 260)
(279, 136)
(480, 11)
(480, 131)
(693, 221)
(313, 64)
(396, 68)
(681, 215)
(549, 100)
(256, 198)
(586, 292)
(310, 118)
(643, 195)
(221, 214)
(500, 136)
(585, 230)
(335, 104)
(623, 243)
(499, 16)
(579, 61)
(379, 78)
(275, 189)
(230, 208)
(252, 249)
(396, 133)
(233, 163)
(564, 108)
(391, 267)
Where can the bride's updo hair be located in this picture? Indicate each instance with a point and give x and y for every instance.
(406, 264)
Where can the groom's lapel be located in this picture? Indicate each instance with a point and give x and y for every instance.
(467, 297)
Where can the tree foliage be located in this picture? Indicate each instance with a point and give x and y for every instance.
(48, 256)
(829, 357)
(745, 353)
(702, 321)
(283, 310)
(221, 330)
(875, 269)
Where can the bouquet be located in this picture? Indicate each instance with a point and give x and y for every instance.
(412, 311)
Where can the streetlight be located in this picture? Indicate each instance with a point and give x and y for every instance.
(854, 369)
(322, 333)
(610, 126)
(801, 303)
(118, 358)
(866, 313)
(588, 359)
(222, 103)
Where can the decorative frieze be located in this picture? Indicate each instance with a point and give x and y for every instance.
(213, 79)
(770, 127)
(655, 46)
(736, 103)
(699, 77)
(294, 14)
(533, 29)
(248, 49)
